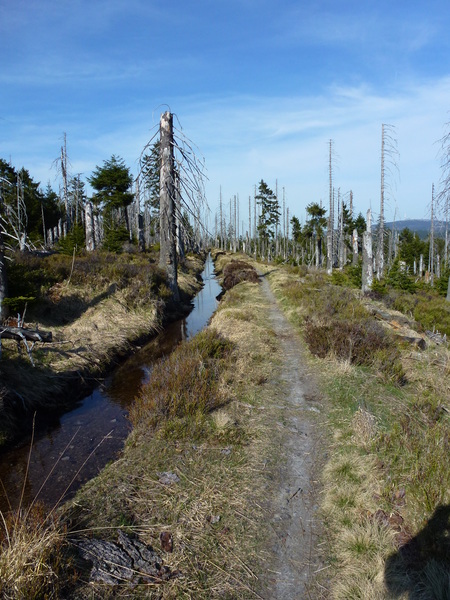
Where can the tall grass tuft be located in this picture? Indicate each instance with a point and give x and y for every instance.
(31, 546)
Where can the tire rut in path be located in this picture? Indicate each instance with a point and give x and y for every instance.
(292, 504)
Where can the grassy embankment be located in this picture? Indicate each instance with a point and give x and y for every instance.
(387, 481)
(209, 416)
(387, 470)
(96, 306)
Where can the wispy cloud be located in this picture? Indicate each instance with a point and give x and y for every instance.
(286, 139)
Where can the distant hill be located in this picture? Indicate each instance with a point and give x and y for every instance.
(419, 226)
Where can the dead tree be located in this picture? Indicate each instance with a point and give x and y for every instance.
(389, 155)
(443, 197)
(89, 224)
(3, 281)
(367, 264)
(23, 335)
(183, 200)
(168, 255)
(355, 247)
(61, 166)
(330, 226)
(431, 253)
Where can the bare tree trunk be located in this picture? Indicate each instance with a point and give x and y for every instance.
(89, 220)
(139, 218)
(367, 266)
(168, 255)
(249, 225)
(355, 247)
(64, 175)
(330, 215)
(234, 219)
(237, 222)
(43, 224)
(3, 281)
(178, 223)
(255, 224)
(431, 259)
(221, 219)
(341, 250)
(380, 240)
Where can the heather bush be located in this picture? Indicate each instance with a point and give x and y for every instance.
(237, 271)
(363, 342)
(184, 387)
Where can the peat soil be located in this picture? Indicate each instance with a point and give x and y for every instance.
(294, 559)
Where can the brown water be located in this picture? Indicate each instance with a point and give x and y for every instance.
(74, 447)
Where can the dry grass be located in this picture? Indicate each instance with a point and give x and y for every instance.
(30, 555)
(214, 511)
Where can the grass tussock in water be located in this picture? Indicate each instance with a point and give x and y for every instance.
(386, 481)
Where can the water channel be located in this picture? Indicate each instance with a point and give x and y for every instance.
(74, 447)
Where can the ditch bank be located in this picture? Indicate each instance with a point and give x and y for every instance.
(95, 327)
(72, 448)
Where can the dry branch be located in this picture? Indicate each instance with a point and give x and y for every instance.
(20, 333)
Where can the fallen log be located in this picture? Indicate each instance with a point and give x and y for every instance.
(21, 333)
(127, 560)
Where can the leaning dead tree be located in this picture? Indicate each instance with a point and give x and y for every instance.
(15, 329)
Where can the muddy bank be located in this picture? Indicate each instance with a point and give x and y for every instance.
(107, 329)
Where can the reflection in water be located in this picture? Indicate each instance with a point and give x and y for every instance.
(96, 429)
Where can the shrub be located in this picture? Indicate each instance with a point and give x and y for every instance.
(184, 387)
(337, 324)
(74, 240)
(237, 271)
(398, 278)
(433, 313)
(357, 342)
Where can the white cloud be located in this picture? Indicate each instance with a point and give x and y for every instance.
(286, 139)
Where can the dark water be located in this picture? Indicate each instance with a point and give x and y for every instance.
(77, 445)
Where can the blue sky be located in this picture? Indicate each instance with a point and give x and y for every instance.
(260, 86)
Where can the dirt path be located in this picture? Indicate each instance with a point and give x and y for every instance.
(292, 507)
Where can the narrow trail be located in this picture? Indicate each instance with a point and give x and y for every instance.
(293, 503)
